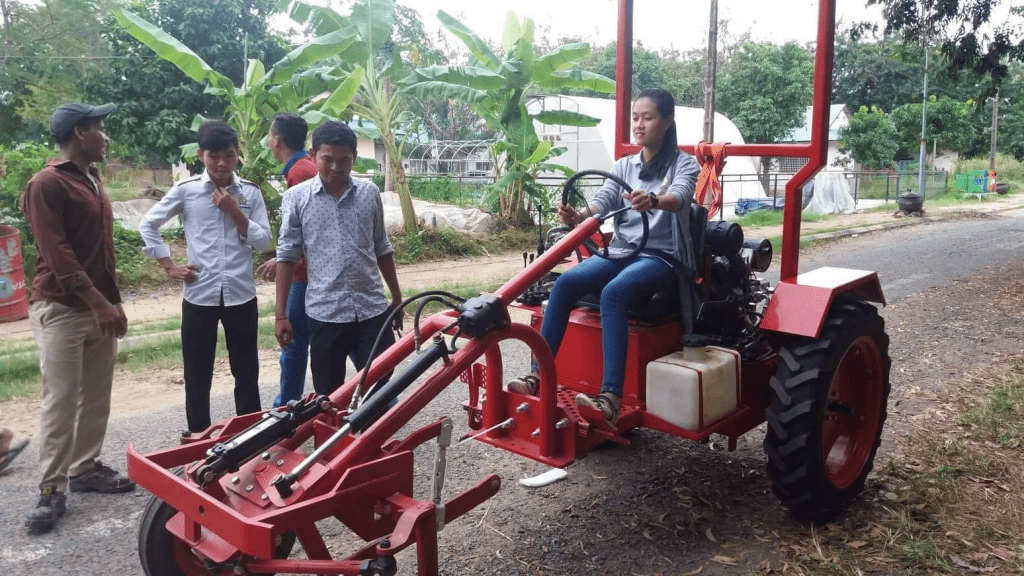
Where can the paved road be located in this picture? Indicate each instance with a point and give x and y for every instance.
(100, 532)
(914, 258)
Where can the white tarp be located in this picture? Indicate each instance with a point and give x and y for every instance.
(130, 212)
(431, 216)
(831, 195)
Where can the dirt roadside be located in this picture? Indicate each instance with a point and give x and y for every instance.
(140, 391)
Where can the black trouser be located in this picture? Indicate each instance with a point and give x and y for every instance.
(330, 343)
(199, 348)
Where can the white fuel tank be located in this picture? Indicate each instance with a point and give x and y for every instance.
(694, 387)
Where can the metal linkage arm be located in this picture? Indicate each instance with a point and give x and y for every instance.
(274, 426)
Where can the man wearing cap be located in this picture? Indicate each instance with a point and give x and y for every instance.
(75, 310)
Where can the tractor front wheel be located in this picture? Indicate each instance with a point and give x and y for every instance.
(163, 554)
(826, 410)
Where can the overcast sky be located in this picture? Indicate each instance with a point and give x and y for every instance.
(658, 24)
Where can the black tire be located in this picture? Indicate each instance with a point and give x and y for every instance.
(162, 554)
(827, 407)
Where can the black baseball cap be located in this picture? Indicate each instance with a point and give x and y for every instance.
(67, 116)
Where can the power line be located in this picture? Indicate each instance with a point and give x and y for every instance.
(73, 57)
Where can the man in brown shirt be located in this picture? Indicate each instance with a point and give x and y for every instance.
(75, 311)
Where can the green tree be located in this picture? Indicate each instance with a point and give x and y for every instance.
(647, 68)
(289, 85)
(765, 91)
(156, 100)
(45, 48)
(497, 89)
(879, 74)
(959, 29)
(870, 139)
(950, 124)
(1010, 135)
(377, 57)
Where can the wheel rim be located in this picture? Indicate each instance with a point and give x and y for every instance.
(850, 425)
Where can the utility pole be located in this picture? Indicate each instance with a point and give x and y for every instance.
(995, 130)
(710, 73)
(924, 126)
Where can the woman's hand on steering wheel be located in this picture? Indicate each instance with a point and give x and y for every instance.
(640, 200)
(569, 215)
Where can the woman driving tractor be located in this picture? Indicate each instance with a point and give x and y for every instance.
(661, 183)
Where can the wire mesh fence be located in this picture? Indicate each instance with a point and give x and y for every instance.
(867, 188)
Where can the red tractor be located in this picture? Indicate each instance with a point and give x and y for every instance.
(809, 356)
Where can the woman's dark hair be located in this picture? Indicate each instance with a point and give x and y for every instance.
(291, 129)
(656, 167)
(334, 133)
(216, 135)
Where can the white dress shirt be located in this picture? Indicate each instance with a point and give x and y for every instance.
(342, 239)
(222, 254)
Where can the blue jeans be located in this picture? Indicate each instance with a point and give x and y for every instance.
(293, 358)
(620, 283)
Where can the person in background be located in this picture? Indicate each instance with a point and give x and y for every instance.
(662, 181)
(338, 223)
(75, 310)
(225, 220)
(287, 143)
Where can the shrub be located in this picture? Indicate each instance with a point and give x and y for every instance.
(17, 166)
(131, 262)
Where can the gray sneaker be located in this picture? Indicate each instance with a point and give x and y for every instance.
(101, 479)
(607, 403)
(51, 505)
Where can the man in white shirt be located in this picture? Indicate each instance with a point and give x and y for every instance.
(225, 219)
(338, 222)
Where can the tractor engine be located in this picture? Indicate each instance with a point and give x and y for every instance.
(733, 297)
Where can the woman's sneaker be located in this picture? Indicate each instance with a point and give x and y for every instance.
(528, 385)
(606, 402)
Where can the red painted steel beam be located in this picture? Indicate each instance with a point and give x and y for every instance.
(816, 151)
(624, 78)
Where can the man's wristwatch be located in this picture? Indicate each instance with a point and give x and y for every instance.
(654, 201)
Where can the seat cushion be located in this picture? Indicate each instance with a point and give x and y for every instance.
(657, 305)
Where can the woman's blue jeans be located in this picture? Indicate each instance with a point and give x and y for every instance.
(620, 283)
(294, 357)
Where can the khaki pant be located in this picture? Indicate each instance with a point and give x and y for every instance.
(77, 365)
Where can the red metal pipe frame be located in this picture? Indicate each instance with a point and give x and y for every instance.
(816, 151)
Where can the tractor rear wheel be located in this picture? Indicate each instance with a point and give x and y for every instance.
(826, 410)
(163, 554)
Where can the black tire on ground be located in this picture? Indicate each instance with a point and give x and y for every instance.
(826, 410)
(162, 554)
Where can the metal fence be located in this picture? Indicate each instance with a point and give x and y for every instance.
(868, 188)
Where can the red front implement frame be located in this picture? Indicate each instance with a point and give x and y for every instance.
(237, 497)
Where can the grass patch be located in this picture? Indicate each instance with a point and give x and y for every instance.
(19, 363)
(447, 243)
(775, 218)
(950, 501)
(20, 376)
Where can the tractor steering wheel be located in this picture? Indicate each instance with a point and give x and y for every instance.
(571, 195)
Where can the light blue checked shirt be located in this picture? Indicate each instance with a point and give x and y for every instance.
(342, 239)
(222, 254)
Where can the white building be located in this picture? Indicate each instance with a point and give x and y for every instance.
(838, 117)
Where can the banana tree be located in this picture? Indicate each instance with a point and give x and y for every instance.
(372, 22)
(497, 90)
(292, 84)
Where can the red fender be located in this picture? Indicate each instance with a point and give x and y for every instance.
(800, 305)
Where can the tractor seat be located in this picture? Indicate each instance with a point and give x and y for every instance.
(660, 304)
